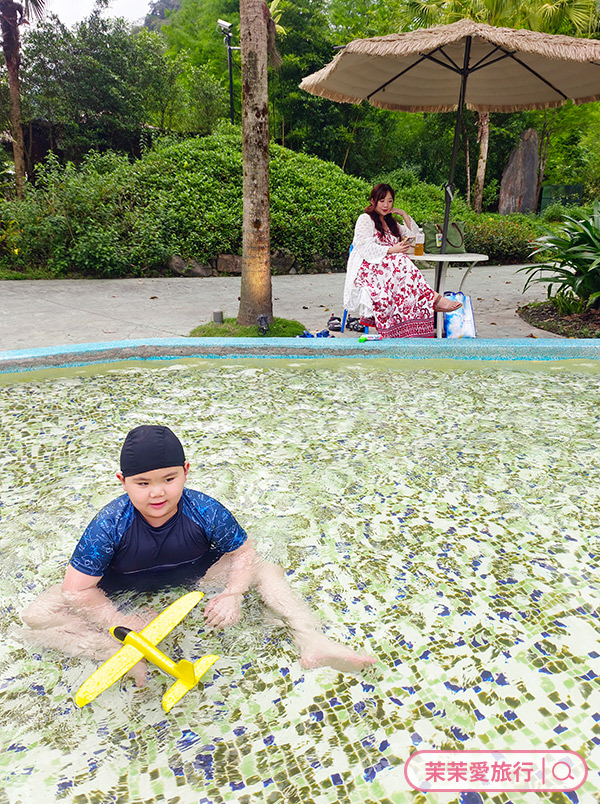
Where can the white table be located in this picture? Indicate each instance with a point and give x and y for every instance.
(442, 261)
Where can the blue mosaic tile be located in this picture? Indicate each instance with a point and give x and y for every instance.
(471, 592)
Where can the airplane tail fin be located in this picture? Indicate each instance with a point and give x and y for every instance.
(176, 692)
(186, 672)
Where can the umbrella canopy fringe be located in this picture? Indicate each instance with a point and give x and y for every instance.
(477, 107)
(334, 96)
(447, 107)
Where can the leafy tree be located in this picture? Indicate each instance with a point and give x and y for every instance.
(193, 29)
(92, 83)
(101, 84)
(12, 15)
(358, 19)
(196, 103)
(160, 12)
(586, 169)
(361, 139)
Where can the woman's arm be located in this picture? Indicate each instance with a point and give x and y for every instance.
(408, 221)
(365, 243)
(400, 248)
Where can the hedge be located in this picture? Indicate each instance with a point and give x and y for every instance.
(110, 217)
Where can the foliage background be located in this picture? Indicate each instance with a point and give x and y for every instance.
(128, 184)
(103, 85)
(112, 217)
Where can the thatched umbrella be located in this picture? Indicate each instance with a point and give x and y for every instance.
(444, 68)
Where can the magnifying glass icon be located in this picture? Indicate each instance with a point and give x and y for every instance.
(569, 774)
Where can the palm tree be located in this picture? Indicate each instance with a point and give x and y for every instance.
(12, 15)
(256, 294)
(571, 17)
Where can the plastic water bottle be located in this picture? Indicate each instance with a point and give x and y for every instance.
(420, 243)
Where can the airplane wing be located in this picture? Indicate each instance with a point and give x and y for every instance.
(170, 617)
(179, 688)
(107, 674)
(127, 656)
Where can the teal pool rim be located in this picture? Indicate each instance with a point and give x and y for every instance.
(82, 354)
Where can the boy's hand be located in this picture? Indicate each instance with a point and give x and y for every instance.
(223, 610)
(136, 622)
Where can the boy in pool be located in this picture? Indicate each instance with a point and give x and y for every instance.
(154, 535)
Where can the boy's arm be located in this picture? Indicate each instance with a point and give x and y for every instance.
(224, 609)
(82, 593)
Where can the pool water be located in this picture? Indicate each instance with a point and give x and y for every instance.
(444, 520)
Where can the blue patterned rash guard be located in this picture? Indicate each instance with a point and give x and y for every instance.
(120, 540)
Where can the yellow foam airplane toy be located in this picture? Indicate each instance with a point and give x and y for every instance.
(143, 645)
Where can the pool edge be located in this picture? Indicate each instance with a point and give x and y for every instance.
(82, 354)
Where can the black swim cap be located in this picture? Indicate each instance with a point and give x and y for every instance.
(148, 447)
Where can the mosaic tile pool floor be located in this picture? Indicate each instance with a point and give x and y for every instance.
(446, 521)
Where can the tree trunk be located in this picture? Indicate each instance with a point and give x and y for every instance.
(256, 295)
(10, 17)
(484, 141)
(547, 129)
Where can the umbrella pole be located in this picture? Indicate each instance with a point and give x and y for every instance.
(449, 188)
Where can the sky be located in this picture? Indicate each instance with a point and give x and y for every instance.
(71, 12)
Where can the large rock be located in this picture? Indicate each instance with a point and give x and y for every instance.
(519, 180)
(189, 267)
(229, 264)
(281, 263)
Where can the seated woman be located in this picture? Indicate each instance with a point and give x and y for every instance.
(383, 286)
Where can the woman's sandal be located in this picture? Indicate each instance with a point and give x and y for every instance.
(354, 325)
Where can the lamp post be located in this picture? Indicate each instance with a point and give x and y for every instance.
(225, 28)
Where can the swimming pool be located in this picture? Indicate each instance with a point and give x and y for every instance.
(444, 519)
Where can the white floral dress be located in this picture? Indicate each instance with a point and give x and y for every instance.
(400, 298)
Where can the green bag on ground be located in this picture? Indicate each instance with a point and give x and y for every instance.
(455, 243)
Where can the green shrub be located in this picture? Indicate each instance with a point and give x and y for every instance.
(554, 213)
(572, 261)
(314, 206)
(399, 178)
(504, 238)
(112, 217)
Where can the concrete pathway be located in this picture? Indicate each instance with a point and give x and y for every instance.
(61, 312)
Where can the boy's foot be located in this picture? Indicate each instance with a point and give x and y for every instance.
(324, 652)
(444, 305)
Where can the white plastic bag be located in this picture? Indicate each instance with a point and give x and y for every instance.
(459, 323)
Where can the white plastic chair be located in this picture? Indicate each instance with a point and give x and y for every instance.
(345, 314)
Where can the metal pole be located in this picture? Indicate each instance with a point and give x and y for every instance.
(449, 190)
(228, 44)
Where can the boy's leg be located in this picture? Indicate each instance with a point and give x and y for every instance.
(52, 623)
(316, 650)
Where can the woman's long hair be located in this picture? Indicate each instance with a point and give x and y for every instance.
(377, 193)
